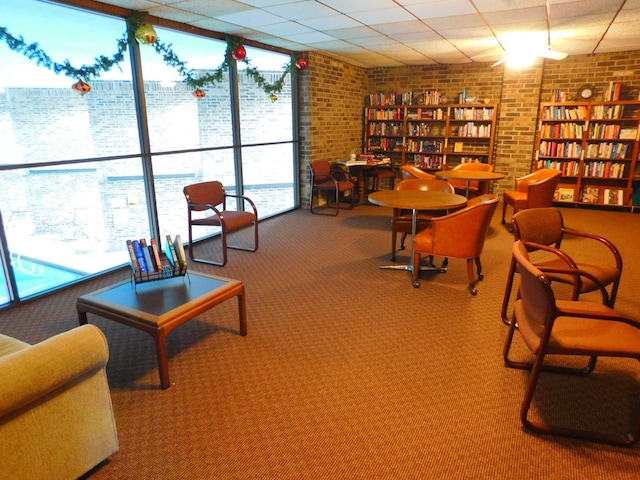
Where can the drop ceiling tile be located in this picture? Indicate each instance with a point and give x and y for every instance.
(522, 15)
(386, 15)
(216, 25)
(371, 41)
(402, 27)
(352, 6)
(175, 14)
(309, 38)
(447, 8)
(301, 10)
(415, 36)
(337, 45)
(485, 6)
(332, 22)
(210, 7)
(251, 18)
(266, 3)
(284, 29)
(350, 33)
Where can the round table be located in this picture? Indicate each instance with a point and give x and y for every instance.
(416, 200)
(468, 176)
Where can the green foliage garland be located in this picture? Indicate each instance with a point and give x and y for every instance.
(104, 64)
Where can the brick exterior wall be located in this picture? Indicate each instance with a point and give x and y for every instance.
(331, 121)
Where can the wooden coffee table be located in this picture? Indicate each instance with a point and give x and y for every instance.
(158, 308)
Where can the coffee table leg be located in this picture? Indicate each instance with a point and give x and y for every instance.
(163, 363)
(242, 311)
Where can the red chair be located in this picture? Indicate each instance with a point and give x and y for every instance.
(211, 197)
(324, 179)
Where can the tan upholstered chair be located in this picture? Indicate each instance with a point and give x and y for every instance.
(324, 179)
(460, 234)
(545, 226)
(411, 171)
(532, 191)
(211, 199)
(476, 187)
(402, 219)
(56, 417)
(578, 329)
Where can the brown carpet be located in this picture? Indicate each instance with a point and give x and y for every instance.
(348, 372)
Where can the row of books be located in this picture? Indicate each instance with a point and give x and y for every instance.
(604, 169)
(428, 97)
(554, 112)
(472, 129)
(562, 130)
(145, 257)
(483, 113)
(568, 169)
(591, 194)
(560, 149)
(612, 92)
(616, 150)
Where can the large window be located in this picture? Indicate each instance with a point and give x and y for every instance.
(81, 174)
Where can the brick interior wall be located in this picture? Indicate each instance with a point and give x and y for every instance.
(333, 93)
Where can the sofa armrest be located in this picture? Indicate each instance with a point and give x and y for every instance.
(37, 370)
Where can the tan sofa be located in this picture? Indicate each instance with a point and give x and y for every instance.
(56, 417)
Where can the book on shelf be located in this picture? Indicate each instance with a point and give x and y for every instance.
(169, 251)
(132, 256)
(564, 194)
(156, 253)
(180, 254)
(151, 267)
(613, 196)
(590, 195)
(137, 248)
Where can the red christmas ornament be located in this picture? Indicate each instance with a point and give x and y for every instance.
(239, 53)
(199, 93)
(302, 63)
(81, 87)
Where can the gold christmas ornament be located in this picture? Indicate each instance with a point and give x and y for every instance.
(273, 97)
(146, 34)
(81, 87)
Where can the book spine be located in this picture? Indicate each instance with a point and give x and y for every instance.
(147, 257)
(137, 248)
(132, 257)
(177, 243)
(156, 253)
(170, 251)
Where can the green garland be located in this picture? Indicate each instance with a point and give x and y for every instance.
(104, 64)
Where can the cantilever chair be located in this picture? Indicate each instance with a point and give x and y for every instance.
(411, 171)
(476, 187)
(534, 190)
(378, 174)
(460, 234)
(324, 179)
(211, 198)
(545, 226)
(572, 328)
(402, 219)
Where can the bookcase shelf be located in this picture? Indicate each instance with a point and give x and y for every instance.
(432, 136)
(595, 145)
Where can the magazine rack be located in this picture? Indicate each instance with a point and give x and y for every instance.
(167, 271)
(149, 265)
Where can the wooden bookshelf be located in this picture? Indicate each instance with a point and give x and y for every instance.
(595, 145)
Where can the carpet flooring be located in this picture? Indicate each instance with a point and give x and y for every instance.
(347, 371)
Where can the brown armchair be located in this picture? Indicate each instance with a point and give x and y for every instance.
(324, 179)
(211, 197)
(545, 226)
(460, 234)
(476, 187)
(402, 219)
(534, 190)
(411, 171)
(570, 328)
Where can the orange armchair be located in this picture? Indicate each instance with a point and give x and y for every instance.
(402, 219)
(545, 226)
(411, 171)
(476, 187)
(571, 329)
(325, 179)
(534, 190)
(460, 234)
(211, 197)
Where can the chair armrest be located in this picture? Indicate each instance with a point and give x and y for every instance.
(35, 371)
(245, 199)
(606, 243)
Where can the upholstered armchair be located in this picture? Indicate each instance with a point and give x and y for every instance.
(56, 417)
(460, 234)
(411, 171)
(534, 190)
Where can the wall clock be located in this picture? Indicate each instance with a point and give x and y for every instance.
(586, 91)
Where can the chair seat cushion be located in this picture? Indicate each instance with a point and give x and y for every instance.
(233, 219)
(515, 198)
(343, 185)
(577, 336)
(605, 273)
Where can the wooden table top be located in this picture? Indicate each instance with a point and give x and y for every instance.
(417, 199)
(469, 175)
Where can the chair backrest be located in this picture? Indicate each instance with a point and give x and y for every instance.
(411, 171)
(425, 185)
(538, 300)
(480, 187)
(320, 171)
(541, 192)
(539, 225)
(462, 234)
(211, 193)
(524, 183)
